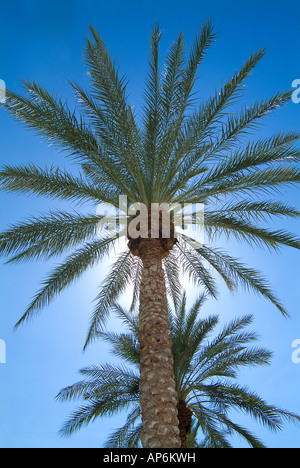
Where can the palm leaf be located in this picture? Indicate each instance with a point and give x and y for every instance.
(206, 366)
(117, 280)
(66, 273)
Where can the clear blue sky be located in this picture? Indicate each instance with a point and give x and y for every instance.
(43, 41)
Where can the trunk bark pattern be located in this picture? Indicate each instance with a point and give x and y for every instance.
(185, 421)
(157, 384)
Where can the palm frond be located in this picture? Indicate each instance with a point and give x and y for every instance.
(152, 121)
(258, 210)
(172, 274)
(128, 435)
(54, 183)
(201, 125)
(244, 230)
(239, 274)
(232, 427)
(129, 319)
(245, 120)
(66, 273)
(254, 182)
(202, 42)
(206, 364)
(192, 266)
(108, 389)
(123, 345)
(52, 118)
(248, 402)
(278, 148)
(110, 89)
(215, 436)
(117, 280)
(48, 236)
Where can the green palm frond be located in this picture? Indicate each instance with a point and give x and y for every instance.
(119, 277)
(110, 89)
(66, 273)
(181, 149)
(202, 42)
(279, 148)
(246, 231)
(236, 273)
(110, 389)
(172, 273)
(49, 235)
(128, 435)
(207, 361)
(201, 125)
(229, 428)
(258, 211)
(247, 119)
(151, 113)
(55, 183)
(193, 266)
(52, 118)
(124, 345)
(128, 318)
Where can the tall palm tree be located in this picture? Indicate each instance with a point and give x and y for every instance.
(176, 153)
(207, 360)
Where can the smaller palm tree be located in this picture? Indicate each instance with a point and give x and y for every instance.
(205, 369)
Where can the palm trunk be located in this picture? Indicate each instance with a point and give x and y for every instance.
(158, 393)
(185, 422)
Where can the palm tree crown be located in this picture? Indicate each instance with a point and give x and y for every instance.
(206, 367)
(180, 153)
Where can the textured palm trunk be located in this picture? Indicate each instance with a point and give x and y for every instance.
(158, 393)
(185, 422)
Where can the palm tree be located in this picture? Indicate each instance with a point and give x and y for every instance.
(175, 153)
(206, 367)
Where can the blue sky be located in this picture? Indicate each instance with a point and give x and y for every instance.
(43, 41)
